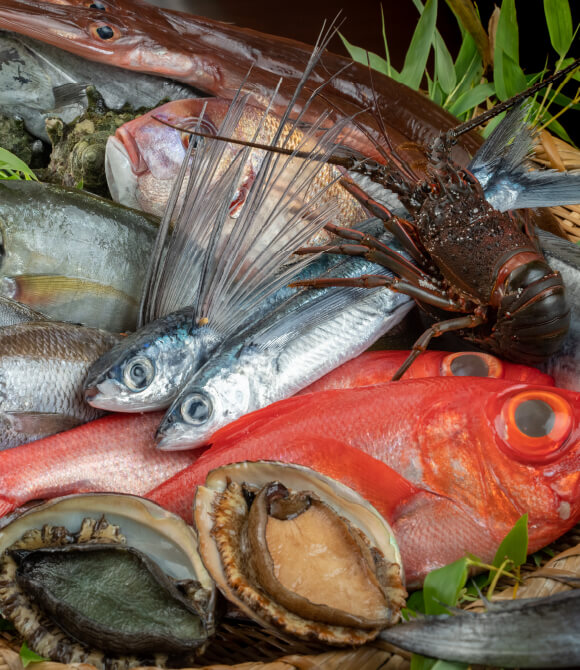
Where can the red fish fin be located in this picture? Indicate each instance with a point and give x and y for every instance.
(6, 506)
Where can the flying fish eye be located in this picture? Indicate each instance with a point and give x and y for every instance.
(535, 425)
(196, 409)
(138, 373)
(105, 32)
(471, 364)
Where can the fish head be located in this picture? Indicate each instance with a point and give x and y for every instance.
(145, 370)
(201, 409)
(144, 155)
(499, 450)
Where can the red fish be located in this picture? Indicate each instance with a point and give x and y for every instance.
(378, 367)
(451, 462)
(115, 453)
(215, 58)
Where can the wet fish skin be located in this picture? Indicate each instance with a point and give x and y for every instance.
(378, 367)
(144, 155)
(71, 255)
(524, 633)
(427, 453)
(42, 369)
(114, 453)
(243, 376)
(40, 80)
(12, 312)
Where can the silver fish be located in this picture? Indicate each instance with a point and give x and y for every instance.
(223, 269)
(526, 633)
(42, 369)
(564, 256)
(12, 312)
(38, 80)
(71, 255)
(283, 355)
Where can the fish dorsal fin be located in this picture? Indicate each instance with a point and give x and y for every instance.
(225, 267)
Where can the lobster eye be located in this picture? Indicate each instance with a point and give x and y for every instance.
(138, 373)
(471, 364)
(196, 409)
(535, 425)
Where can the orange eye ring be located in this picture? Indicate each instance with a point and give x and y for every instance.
(104, 32)
(482, 365)
(527, 447)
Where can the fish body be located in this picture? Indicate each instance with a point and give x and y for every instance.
(143, 157)
(42, 369)
(378, 367)
(525, 633)
(12, 312)
(38, 80)
(71, 255)
(441, 458)
(114, 453)
(281, 356)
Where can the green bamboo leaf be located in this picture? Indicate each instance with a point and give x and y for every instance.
(507, 35)
(419, 662)
(10, 162)
(449, 665)
(444, 70)
(418, 52)
(442, 586)
(468, 53)
(28, 656)
(365, 57)
(492, 125)
(508, 76)
(559, 22)
(471, 98)
(514, 546)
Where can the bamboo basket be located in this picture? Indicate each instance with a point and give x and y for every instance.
(552, 152)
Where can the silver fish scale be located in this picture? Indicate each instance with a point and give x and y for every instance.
(42, 370)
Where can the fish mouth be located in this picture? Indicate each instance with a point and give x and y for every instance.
(173, 437)
(120, 170)
(108, 395)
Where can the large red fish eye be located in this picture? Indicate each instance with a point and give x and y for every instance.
(535, 424)
(471, 364)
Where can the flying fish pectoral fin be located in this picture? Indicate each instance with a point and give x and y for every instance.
(40, 423)
(69, 94)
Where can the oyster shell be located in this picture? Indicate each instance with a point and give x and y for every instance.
(300, 552)
(112, 580)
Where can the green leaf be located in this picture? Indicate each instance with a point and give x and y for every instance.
(416, 602)
(10, 162)
(468, 53)
(444, 70)
(559, 22)
(418, 52)
(514, 546)
(468, 18)
(442, 586)
(491, 126)
(507, 35)
(508, 76)
(419, 662)
(365, 57)
(28, 656)
(449, 665)
(471, 98)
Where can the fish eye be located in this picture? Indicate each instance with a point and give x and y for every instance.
(535, 425)
(471, 364)
(104, 31)
(196, 409)
(138, 373)
(97, 5)
(189, 138)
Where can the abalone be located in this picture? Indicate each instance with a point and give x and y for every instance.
(112, 580)
(299, 552)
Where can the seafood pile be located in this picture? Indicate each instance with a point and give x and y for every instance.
(258, 465)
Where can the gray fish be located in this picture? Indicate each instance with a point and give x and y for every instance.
(12, 312)
(42, 369)
(73, 256)
(564, 256)
(526, 633)
(38, 80)
(281, 356)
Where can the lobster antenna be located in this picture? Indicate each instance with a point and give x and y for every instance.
(507, 104)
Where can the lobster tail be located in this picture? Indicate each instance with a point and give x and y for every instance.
(533, 314)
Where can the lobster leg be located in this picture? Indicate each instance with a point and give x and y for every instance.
(468, 321)
(399, 227)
